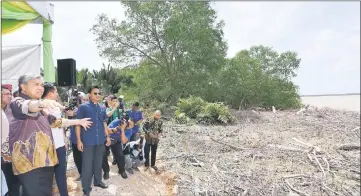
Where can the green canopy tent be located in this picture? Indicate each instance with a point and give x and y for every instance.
(16, 14)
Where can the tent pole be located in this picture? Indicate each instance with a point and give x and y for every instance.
(48, 64)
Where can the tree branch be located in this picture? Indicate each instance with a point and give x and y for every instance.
(140, 51)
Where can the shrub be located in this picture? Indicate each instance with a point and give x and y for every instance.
(166, 109)
(203, 112)
(215, 113)
(191, 106)
(181, 118)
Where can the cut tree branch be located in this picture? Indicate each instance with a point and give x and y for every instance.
(349, 147)
(295, 190)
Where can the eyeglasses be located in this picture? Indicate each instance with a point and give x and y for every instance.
(97, 93)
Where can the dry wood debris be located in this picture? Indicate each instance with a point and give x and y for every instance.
(304, 152)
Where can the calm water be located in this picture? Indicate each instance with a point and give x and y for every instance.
(342, 102)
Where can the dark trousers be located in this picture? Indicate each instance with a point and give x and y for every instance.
(153, 149)
(60, 171)
(12, 181)
(91, 166)
(77, 157)
(118, 157)
(38, 182)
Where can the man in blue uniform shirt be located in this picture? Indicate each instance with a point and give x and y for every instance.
(137, 117)
(91, 141)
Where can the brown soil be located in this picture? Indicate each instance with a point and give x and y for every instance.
(141, 183)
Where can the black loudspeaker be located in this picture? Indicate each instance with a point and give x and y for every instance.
(66, 72)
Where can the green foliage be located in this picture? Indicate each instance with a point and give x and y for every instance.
(107, 78)
(215, 113)
(262, 79)
(173, 50)
(129, 95)
(191, 106)
(197, 108)
(181, 118)
(177, 46)
(84, 80)
(166, 109)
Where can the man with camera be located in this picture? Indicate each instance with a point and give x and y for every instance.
(91, 141)
(121, 102)
(113, 112)
(137, 116)
(119, 135)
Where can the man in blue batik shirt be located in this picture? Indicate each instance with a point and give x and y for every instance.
(137, 117)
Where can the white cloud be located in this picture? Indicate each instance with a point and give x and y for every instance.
(326, 36)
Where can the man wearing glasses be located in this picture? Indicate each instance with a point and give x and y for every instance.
(91, 141)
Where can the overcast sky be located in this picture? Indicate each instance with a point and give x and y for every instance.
(326, 35)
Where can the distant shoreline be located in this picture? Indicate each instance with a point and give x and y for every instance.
(349, 101)
(324, 95)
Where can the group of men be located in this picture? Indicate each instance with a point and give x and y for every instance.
(34, 144)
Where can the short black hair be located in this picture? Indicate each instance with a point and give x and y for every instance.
(16, 93)
(112, 97)
(93, 87)
(48, 87)
(136, 104)
(126, 117)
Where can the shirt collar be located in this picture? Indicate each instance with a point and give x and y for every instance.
(24, 96)
(92, 103)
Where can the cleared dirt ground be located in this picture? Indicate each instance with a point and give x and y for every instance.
(314, 152)
(141, 183)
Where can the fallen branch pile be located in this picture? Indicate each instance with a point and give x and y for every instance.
(284, 153)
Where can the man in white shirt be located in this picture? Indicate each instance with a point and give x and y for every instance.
(51, 93)
(133, 153)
